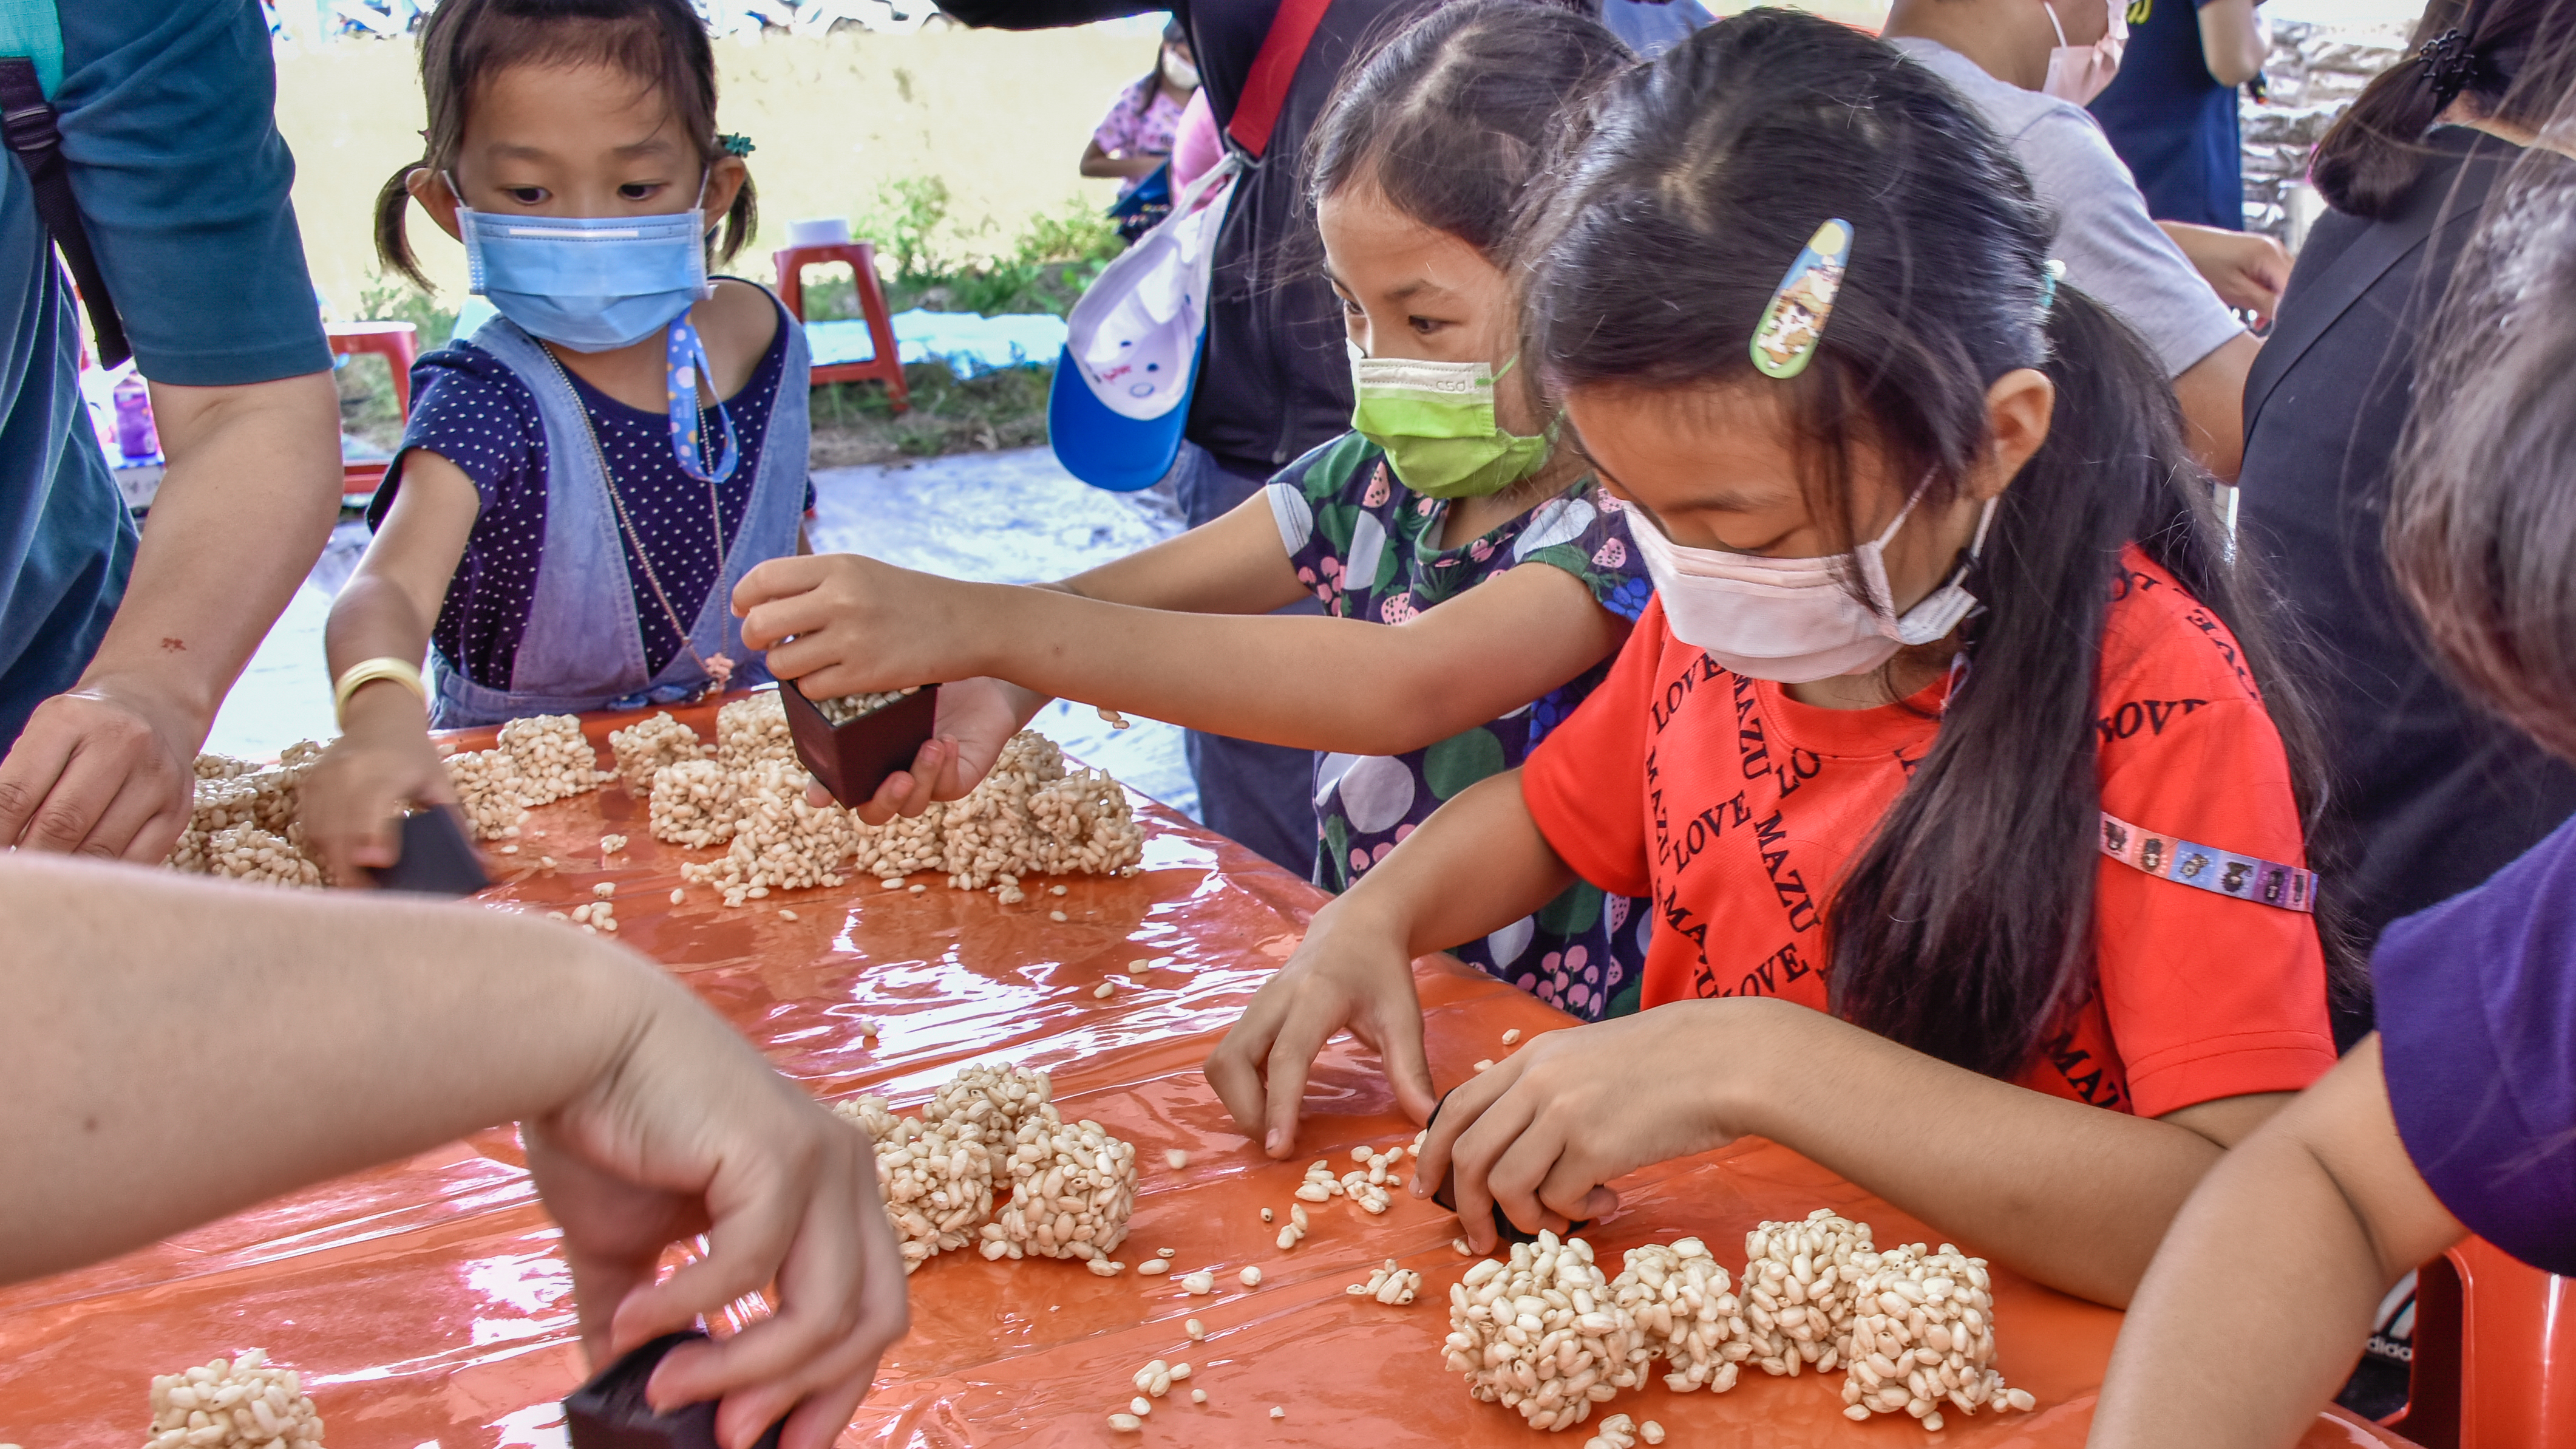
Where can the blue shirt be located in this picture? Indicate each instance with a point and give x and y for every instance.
(183, 180)
(2172, 121)
(2477, 1029)
(472, 410)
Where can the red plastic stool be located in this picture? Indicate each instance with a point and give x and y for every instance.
(397, 344)
(2495, 1354)
(883, 366)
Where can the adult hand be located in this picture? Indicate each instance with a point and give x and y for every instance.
(689, 1131)
(840, 624)
(108, 769)
(976, 718)
(1540, 1131)
(354, 798)
(2246, 269)
(1352, 971)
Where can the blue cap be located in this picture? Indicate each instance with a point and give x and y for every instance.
(1106, 449)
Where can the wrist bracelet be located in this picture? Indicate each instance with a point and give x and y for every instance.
(368, 671)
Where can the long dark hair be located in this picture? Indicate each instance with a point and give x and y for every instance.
(1965, 928)
(2511, 58)
(2482, 515)
(661, 43)
(1451, 117)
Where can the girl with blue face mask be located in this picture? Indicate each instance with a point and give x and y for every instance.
(584, 478)
(1473, 583)
(1951, 753)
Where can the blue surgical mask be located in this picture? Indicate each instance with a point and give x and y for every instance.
(590, 283)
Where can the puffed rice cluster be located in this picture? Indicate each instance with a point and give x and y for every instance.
(1542, 1334)
(1923, 1335)
(936, 1178)
(1913, 1329)
(648, 745)
(1073, 1185)
(1683, 1304)
(845, 708)
(241, 1403)
(778, 840)
(1030, 816)
(537, 761)
(243, 823)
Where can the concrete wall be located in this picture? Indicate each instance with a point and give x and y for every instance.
(1001, 117)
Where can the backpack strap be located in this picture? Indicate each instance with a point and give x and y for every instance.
(32, 33)
(1265, 90)
(2208, 868)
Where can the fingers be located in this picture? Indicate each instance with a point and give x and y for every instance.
(747, 1239)
(1408, 1069)
(909, 792)
(1291, 1058)
(1535, 1156)
(1234, 1068)
(48, 798)
(778, 578)
(140, 824)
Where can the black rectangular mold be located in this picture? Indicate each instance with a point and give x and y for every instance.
(609, 1412)
(853, 759)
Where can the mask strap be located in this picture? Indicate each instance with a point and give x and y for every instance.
(687, 357)
(1889, 532)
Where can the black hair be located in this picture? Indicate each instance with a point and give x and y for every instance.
(2512, 59)
(1964, 929)
(1452, 115)
(661, 43)
(2482, 515)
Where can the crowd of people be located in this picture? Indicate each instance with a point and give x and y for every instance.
(1733, 543)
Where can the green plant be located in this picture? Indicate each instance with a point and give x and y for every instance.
(903, 220)
(1077, 232)
(384, 299)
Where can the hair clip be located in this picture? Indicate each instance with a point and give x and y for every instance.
(1795, 321)
(734, 145)
(2049, 276)
(2449, 65)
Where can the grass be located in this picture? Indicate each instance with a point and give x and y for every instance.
(1046, 269)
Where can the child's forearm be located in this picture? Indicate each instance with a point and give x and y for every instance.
(2263, 1292)
(1477, 865)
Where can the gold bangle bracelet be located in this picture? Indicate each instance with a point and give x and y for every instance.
(368, 671)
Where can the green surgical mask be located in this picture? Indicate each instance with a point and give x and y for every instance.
(1436, 422)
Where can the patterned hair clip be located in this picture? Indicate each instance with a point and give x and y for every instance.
(2049, 277)
(1795, 321)
(734, 145)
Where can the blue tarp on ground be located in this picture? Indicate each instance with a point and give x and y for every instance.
(969, 344)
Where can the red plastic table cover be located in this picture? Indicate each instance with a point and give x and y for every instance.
(425, 1303)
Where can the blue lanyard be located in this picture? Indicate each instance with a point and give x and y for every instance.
(688, 358)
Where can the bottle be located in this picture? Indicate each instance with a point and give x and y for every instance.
(136, 438)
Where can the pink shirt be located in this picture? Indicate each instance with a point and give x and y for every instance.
(1196, 148)
(1140, 123)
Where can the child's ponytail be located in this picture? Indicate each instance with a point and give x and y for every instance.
(2472, 49)
(393, 240)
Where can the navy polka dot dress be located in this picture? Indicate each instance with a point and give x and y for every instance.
(472, 410)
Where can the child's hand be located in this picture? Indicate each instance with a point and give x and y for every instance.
(1541, 1130)
(977, 717)
(1351, 971)
(841, 624)
(355, 796)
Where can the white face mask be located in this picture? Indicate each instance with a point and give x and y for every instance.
(2078, 73)
(1791, 619)
(1180, 74)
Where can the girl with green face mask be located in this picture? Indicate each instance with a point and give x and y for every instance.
(1475, 583)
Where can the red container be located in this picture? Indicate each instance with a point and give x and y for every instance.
(853, 759)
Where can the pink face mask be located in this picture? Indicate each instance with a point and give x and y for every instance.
(2078, 73)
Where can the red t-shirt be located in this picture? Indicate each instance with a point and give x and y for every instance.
(1736, 808)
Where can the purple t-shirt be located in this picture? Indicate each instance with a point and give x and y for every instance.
(2477, 1027)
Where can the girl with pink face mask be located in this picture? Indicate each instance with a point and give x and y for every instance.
(1951, 753)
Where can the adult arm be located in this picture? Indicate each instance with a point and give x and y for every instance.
(1044, 14)
(1181, 632)
(2299, 1232)
(383, 760)
(2212, 394)
(339, 1033)
(2232, 40)
(247, 502)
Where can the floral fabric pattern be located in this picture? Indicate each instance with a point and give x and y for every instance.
(1369, 548)
(1141, 122)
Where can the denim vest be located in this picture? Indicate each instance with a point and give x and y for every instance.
(582, 650)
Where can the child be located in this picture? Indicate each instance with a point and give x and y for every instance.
(1136, 137)
(2459, 1116)
(1443, 660)
(1942, 620)
(564, 508)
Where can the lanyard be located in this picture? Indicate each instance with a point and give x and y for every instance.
(686, 358)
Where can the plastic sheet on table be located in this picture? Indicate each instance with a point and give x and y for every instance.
(425, 1302)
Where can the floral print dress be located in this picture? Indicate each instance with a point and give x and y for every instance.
(1369, 548)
